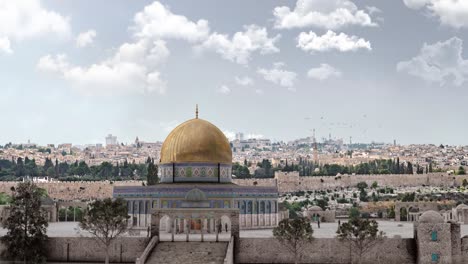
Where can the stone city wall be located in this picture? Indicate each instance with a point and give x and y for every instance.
(75, 190)
(86, 249)
(326, 250)
(292, 183)
(90, 190)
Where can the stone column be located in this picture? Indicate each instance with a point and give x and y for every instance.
(235, 229)
(155, 221)
(216, 229)
(202, 227)
(172, 229)
(187, 230)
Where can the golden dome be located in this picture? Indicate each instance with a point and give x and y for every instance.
(196, 140)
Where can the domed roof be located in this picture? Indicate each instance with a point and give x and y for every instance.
(462, 206)
(196, 140)
(315, 208)
(431, 217)
(195, 195)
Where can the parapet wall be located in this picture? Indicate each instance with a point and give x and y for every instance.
(290, 183)
(326, 250)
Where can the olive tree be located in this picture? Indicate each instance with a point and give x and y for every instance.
(294, 235)
(362, 235)
(106, 220)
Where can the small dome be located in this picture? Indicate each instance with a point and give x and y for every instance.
(195, 195)
(315, 208)
(431, 217)
(462, 206)
(196, 140)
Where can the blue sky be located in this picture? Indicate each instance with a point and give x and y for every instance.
(371, 69)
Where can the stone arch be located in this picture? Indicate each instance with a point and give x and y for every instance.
(225, 222)
(165, 224)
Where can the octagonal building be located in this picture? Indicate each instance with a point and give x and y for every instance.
(195, 189)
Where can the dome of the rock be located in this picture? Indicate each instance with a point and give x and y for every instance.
(196, 140)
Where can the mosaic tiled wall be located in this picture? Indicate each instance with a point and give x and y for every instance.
(195, 172)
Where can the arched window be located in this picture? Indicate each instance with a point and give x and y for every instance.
(249, 207)
(262, 207)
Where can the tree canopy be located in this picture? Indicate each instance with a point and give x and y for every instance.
(26, 225)
(294, 235)
(106, 220)
(362, 234)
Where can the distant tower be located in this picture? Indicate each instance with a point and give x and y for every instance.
(315, 148)
(350, 140)
(240, 136)
(394, 142)
(111, 140)
(329, 136)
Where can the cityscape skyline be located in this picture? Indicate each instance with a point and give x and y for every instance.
(387, 71)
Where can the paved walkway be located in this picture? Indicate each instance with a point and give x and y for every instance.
(326, 230)
(192, 252)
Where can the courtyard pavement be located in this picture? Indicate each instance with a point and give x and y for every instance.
(326, 230)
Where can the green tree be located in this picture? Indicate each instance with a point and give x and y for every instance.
(152, 175)
(294, 235)
(362, 235)
(461, 171)
(26, 225)
(106, 220)
(354, 213)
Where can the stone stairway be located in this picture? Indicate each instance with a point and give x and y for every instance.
(188, 252)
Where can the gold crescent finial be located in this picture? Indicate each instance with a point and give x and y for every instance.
(196, 112)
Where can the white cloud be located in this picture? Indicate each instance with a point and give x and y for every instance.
(440, 62)
(244, 81)
(231, 135)
(311, 42)
(86, 38)
(224, 89)
(131, 69)
(453, 13)
(259, 91)
(158, 22)
(5, 45)
(372, 10)
(325, 71)
(279, 76)
(26, 19)
(242, 44)
(327, 14)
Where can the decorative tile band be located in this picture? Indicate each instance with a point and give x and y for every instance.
(195, 172)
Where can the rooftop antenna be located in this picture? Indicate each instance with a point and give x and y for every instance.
(196, 111)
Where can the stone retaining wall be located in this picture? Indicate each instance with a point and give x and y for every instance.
(86, 249)
(325, 250)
